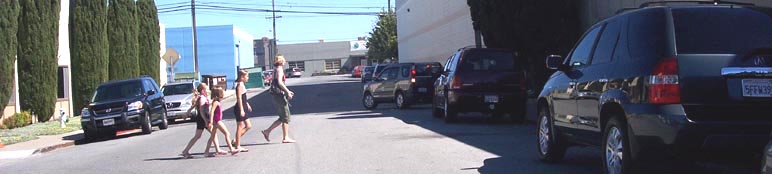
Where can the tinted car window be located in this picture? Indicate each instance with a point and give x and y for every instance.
(487, 61)
(721, 30)
(387, 74)
(607, 42)
(177, 89)
(118, 91)
(646, 34)
(427, 69)
(406, 71)
(581, 55)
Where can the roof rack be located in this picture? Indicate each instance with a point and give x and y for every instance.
(715, 2)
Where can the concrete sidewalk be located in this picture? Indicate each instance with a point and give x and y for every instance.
(41, 145)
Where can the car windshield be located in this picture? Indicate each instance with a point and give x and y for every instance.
(487, 61)
(177, 89)
(427, 69)
(118, 91)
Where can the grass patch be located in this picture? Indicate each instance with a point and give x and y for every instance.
(31, 132)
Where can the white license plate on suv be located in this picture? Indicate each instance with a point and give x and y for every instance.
(491, 99)
(757, 87)
(108, 122)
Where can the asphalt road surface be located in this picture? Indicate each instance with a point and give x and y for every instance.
(335, 134)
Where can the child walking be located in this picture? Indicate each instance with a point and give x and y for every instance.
(201, 104)
(242, 106)
(216, 123)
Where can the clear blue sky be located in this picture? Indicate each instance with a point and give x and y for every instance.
(292, 27)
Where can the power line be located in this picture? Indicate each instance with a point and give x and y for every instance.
(226, 8)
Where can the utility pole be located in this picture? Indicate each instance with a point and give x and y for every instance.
(195, 40)
(274, 50)
(389, 5)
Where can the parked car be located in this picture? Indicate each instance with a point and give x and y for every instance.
(357, 72)
(267, 77)
(684, 82)
(403, 83)
(293, 72)
(367, 74)
(378, 69)
(178, 97)
(481, 80)
(122, 105)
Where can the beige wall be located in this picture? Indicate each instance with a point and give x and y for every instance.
(433, 29)
(8, 111)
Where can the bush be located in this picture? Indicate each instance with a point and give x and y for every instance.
(17, 120)
(38, 36)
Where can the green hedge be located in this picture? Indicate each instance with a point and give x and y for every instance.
(149, 44)
(122, 35)
(37, 56)
(9, 23)
(88, 48)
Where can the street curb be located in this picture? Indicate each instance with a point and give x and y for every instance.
(18, 154)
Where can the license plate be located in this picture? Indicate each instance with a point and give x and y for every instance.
(757, 87)
(108, 122)
(421, 89)
(491, 99)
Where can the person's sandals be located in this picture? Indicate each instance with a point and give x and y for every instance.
(289, 141)
(234, 152)
(241, 149)
(221, 153)
(265, 135)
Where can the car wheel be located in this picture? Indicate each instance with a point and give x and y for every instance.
(401, 101)
(519, 115)
(551, 147)
(616, 148)
(369, 102)
(436, 112)
(146, 127)
(164, 121)
(450, 114)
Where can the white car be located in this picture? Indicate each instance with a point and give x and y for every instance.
(293, 72)
(178, 96)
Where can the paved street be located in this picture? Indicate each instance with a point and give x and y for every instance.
(335, 135)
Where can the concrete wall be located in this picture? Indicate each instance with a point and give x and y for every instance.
(432, 30)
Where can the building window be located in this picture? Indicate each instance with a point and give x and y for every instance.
(296, 64)
(332, 64)
(62, 88)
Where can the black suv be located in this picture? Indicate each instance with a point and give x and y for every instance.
(481, 80)
(403, 83)
(657, 82)
(125, 104)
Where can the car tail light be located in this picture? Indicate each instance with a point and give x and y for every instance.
(455, 83)
(412, 75)
(663, 84)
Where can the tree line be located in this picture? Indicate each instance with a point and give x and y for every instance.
(108, 41)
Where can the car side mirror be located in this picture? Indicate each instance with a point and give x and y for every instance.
(151, 92)
(555, 62)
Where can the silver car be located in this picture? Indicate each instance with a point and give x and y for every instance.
(178, 97)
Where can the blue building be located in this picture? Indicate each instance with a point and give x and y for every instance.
(221, 49)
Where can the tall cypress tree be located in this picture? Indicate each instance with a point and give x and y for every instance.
(9, 23)
(37, 56)
(149, 45)
(122, 35)
(89, 48)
